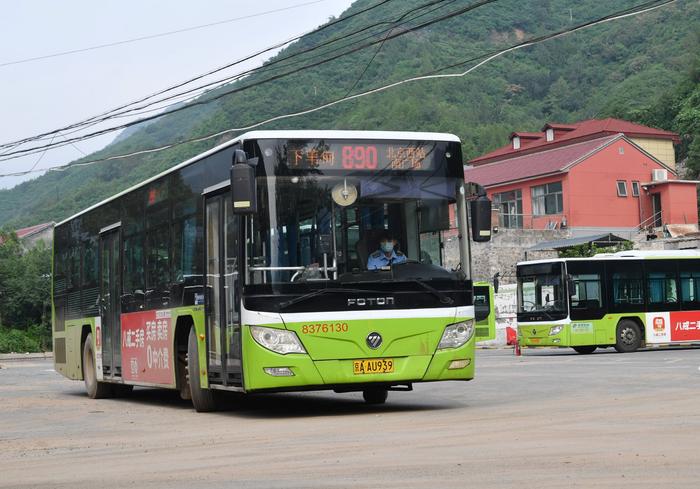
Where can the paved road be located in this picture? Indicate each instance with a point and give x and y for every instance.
(546, 419)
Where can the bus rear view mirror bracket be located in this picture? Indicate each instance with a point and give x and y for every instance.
(243, 186)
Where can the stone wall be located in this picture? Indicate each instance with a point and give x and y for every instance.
(508, 247)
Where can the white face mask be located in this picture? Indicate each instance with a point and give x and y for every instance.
(387, 246)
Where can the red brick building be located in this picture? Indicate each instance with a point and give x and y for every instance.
(597, 175)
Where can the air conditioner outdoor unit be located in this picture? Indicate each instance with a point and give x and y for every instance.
(659, 175)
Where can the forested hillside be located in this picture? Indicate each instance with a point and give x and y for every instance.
(640, 68)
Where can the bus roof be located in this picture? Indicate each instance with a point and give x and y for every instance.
(283, 134)
(624, 255)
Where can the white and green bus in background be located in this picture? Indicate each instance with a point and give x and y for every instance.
(484, 311)
(278, 261)
(624, 300)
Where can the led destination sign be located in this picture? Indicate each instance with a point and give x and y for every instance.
(380, 156)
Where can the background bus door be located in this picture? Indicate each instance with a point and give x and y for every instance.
(110, 336)
(222, 297)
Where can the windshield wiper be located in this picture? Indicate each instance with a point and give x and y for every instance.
(315, 293)
(444, 299)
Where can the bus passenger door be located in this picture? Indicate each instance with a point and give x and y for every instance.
(109, 334)
(222, 298)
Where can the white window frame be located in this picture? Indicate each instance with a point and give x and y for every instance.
(624, 186)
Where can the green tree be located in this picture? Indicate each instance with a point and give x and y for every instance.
(24, 284)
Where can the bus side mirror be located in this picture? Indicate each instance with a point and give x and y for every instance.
(243, 188)
(480, 211)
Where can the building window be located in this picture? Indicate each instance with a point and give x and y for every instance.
(510, 207)
(635, 189)
(621, 188)
(547, 199)
(549, 134)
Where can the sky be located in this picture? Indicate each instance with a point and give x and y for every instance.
(46, 94)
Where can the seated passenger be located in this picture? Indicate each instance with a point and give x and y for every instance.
(385, 256)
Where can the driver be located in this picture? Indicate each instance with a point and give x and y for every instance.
(386, 255)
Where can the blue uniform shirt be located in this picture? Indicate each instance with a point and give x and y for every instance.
(378, 259)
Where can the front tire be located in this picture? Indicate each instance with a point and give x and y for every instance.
(95, 389)
(628, 336)
(375, 395)
(204, 400)
(584, 350)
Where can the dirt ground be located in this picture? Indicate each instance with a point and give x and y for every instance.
(548, 419)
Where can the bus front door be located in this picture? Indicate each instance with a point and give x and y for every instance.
(222, 298)
(108, 335)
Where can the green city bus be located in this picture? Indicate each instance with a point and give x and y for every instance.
(247, 268)
(624, 300)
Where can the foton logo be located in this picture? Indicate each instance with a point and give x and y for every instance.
(659, 326)
(371, 301)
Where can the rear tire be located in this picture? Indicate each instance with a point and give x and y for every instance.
(203, 400)
(628, 336)
(584, 350)
(95, 389)
(375, 395)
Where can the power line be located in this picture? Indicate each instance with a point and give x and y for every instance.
(211, 72)
(636, 10)
(203, 89)
(450, 15)
(154, 36)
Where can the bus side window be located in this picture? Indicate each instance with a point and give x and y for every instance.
(661, 285)
(690, 284)
(627, 286)
(587, 291)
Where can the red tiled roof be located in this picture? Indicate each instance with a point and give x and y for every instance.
(24, 232)
(527, 135)
(21, 233)
(588, 129)
(555, 160)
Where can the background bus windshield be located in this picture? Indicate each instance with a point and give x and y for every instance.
(541, 291)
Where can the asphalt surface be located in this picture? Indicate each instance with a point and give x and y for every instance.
(547, 419)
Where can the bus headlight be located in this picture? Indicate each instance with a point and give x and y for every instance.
(455, 335)
(278, 340)
(555, 330)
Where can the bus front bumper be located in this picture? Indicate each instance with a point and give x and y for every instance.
(540, 335)
(270, 371)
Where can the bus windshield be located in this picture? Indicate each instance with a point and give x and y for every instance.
(325, 209)
(541, 292)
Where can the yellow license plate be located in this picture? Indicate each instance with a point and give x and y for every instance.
(534, 340)
(373, 366)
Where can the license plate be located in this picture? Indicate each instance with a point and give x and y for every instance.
(534, 340)
(373, 366)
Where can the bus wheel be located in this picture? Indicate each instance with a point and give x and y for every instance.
(584, 350)
(204, 400)
(629, 336)
(375, 395)
(95, 389)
